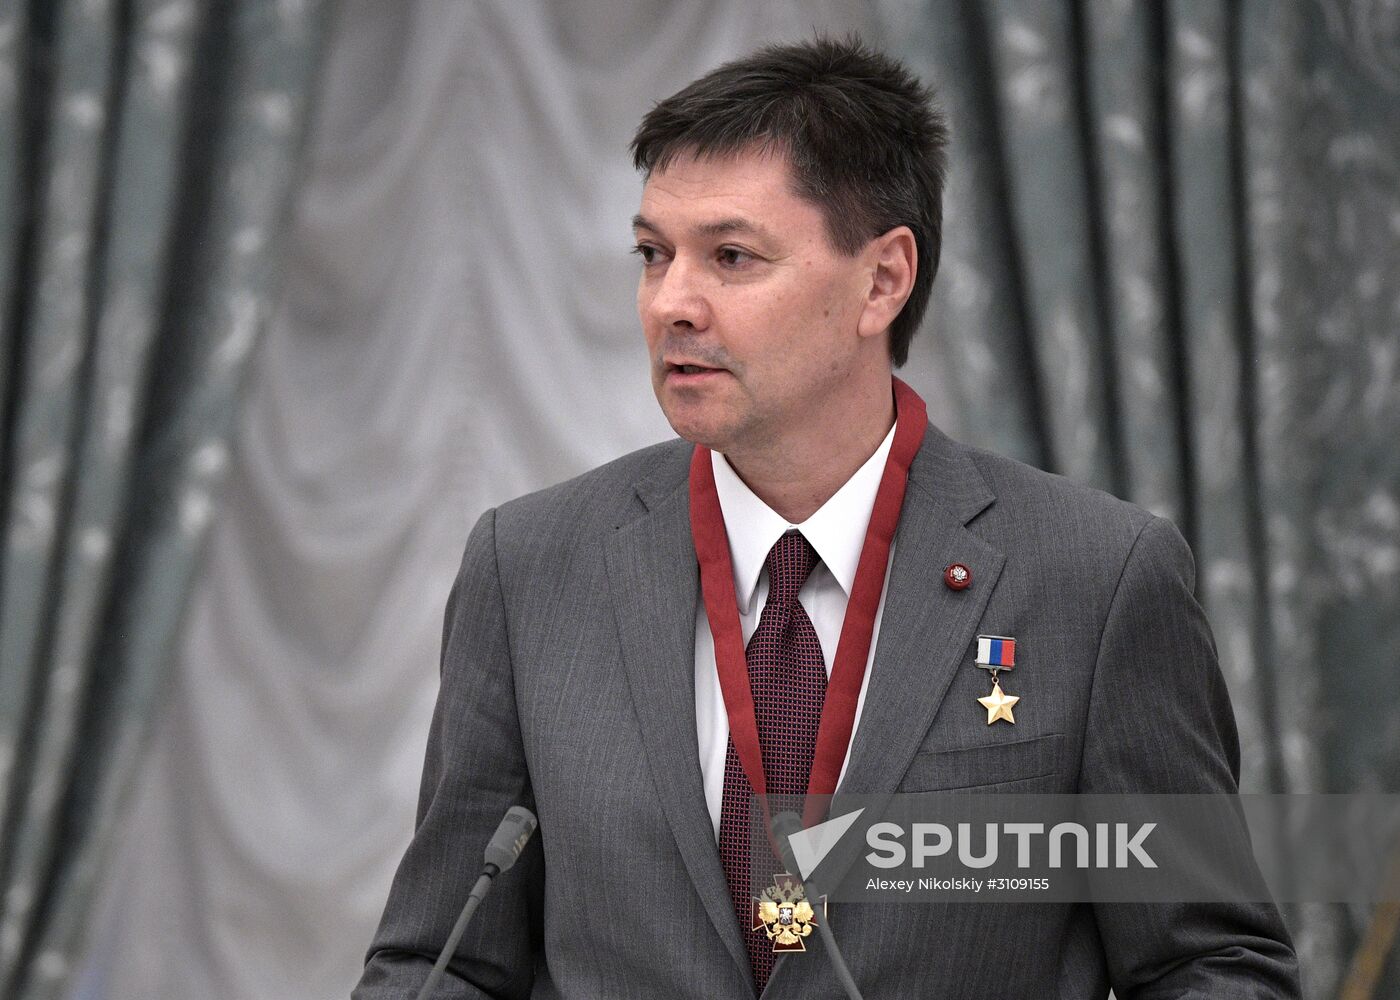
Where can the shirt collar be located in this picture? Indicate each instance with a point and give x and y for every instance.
(836, 530)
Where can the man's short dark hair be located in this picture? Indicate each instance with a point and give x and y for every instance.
(865, 141)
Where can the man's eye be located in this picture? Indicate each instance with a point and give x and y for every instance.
(733, 256)
(646, 251)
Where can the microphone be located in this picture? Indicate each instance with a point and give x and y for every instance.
(510, 838)
(785, 825)
(502, 852)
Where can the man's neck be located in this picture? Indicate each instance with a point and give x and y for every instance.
(796, 478)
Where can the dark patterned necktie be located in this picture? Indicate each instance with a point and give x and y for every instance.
(787, 676)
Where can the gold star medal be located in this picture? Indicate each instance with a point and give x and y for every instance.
(997, 653)
(998, 704)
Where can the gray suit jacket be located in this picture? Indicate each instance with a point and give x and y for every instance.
(567, 685)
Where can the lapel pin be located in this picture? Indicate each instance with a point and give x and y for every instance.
(957, 577)
(997, 653)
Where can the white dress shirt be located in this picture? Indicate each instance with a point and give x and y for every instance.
(837, 532)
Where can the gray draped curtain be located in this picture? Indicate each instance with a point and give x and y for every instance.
(146, 151)
(1173, 272)
(1170, 271)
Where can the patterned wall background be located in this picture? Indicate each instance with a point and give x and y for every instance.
(291, 291)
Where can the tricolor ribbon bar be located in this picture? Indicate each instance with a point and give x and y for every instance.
(996, 652)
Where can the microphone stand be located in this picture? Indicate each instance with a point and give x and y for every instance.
(502, 851)
(483, 885)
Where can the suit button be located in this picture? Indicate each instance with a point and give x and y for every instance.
(957, 577)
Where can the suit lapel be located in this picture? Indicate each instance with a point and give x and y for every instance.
(924, 633)
(654, 578)
(926, 627)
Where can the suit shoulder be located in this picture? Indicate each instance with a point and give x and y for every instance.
(1060, 513)
(1068, 545)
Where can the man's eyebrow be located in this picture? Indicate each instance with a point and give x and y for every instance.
(722, 227)
(719, 227)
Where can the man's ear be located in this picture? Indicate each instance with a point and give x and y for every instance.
(893, 260)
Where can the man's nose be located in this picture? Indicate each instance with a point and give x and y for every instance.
(679, 296)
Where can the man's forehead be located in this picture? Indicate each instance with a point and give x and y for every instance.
(718, 195)
(720, 226)
(752, 162)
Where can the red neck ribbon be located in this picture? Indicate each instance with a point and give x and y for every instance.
(853, 649)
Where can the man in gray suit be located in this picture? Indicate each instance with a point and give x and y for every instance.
(791, 596)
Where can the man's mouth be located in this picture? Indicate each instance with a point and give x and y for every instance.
(687, 369)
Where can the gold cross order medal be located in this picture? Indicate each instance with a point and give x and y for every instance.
(998, 704)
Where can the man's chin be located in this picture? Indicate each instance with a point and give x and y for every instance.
(699, 427)
(701, 436)
(715, 415)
